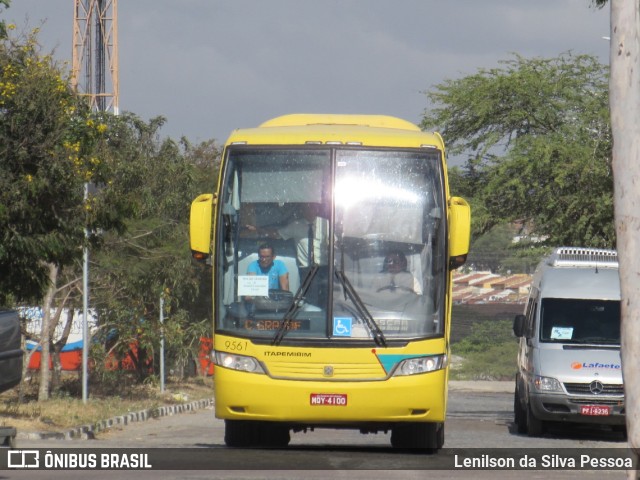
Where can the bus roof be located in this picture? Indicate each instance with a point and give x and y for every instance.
(366, 130)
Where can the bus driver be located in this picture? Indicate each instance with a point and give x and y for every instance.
(267, 265)
(395, 275)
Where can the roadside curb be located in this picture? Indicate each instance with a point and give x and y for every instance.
(87, 432)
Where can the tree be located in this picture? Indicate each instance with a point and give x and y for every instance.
(539, 145)
(3, 26)
(151, 258)
(51, 144)
(625, 122)
(35, 115)
(624, 88)
(496, 251)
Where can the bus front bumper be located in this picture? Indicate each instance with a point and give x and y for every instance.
(415, 398)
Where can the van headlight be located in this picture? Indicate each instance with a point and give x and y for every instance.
(415, 366)
(547, 384)
(237, 362)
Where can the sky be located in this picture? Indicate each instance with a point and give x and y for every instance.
(211, 66)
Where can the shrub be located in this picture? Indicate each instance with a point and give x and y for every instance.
(488, 353)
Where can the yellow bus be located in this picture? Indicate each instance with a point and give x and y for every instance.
(331, 240)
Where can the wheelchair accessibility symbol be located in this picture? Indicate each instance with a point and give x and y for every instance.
(342, 326)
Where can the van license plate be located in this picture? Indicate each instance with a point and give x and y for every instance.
(329, 399)
(595, 410)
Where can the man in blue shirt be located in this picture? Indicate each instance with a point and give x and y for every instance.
(267, 265)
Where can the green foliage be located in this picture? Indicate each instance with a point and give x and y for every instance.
(135, 212)
(539, 143)
(497, 252)
(3, 25)
(42, 168)
(484, 334)
(489, 352)
(151, 257)
(52, 145)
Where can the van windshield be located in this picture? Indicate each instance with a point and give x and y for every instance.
(580, 321)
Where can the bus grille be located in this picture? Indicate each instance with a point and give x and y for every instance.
(326, 371)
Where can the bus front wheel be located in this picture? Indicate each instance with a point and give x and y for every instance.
(422, 436)
(247, 433)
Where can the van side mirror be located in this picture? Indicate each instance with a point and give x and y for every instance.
(518, 325)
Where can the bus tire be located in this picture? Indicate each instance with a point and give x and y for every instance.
(239, 433)
(418, 436)
(440, 436)
(274, 435)
(249, 433)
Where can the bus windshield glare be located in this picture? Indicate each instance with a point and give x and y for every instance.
(331, 243)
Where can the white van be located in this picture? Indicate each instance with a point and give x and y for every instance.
(569, 366)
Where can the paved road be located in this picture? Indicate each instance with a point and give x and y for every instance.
(478, 416)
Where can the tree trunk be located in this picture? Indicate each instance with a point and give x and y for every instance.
(625, 124)
(45, 332)
(57, 346)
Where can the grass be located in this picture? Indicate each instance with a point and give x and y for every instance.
(66, 409)
(489, 352)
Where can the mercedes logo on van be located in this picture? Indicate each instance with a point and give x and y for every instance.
(596, 387)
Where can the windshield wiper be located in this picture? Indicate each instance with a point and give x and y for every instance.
(364, 314)
(295, 306)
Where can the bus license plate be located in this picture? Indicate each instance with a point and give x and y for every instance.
(329, 399)
(595, 410)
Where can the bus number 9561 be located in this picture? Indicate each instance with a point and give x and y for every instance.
(235, 346)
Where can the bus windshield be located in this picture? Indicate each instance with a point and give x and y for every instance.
(331, 243)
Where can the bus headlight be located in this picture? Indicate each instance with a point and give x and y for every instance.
(414, 366)
(237, 362)
(547, 384)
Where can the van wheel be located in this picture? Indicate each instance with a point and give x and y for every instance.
(519, 413)
(535, 426)
(622, 430)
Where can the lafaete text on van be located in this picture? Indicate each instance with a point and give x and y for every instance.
(332, 239)
(569, 366)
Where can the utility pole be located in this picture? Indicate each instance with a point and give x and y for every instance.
(94, 74)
